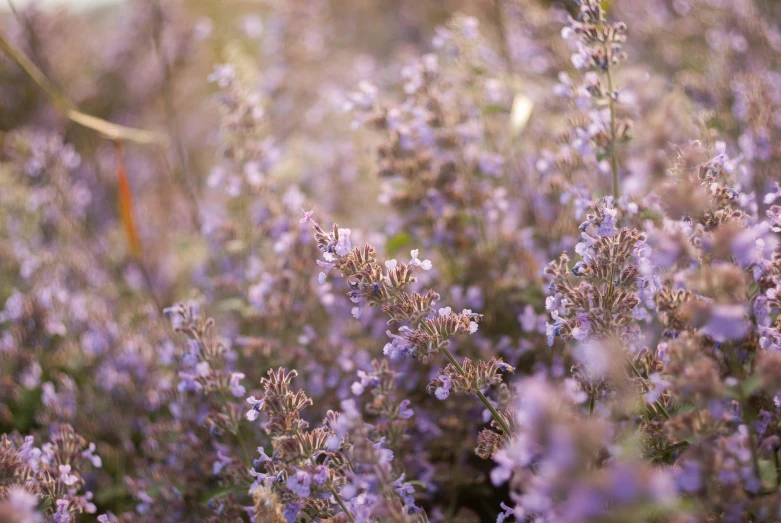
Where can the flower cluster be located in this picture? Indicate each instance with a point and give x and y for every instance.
(316, 473)
(427, 332)
(597, 126)
(46, 480)
(559, 299)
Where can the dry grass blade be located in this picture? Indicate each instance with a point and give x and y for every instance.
(109, 130)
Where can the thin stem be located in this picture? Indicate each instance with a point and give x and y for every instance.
(658, 404)
(502, 29)
(396, 515)
(752, 438)
(499, 419)
(237, 430)
(32, 70)
(126, 212)
(33, 41)
(744, 412)
(149, 285)
(226, 403)
(613, 155)
(328, 483)
(186, 179)
(341, 503)
(455, 475)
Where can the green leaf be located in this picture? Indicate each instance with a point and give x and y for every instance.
(767, 471)
(681, 408)
(494, 109)
(750, 385)
(106, 495)
(398, 241)
(231, 304)
(24, 411)
(745, 388)
(221, 492)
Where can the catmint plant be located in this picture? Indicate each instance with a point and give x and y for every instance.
(598, 50)
(425, 332)
(568, 211)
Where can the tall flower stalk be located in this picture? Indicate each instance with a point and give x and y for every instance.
(598, 49)
(424, 331)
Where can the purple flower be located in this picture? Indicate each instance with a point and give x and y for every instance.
(292, 510)
(262, 459)
(747, 246)
(307, 216)
(581, 331)
(22, 504)
(507, 512)
(62, 515)
(357, 312)
(88, 454)
(513, 456)
(384, 455)
(236, 388)
(66, 477)
(343, 245)
(443, 391)
(607, 229)
(773, 195)
(727, 323)
(257, 405)
(260, 478)
(320, 476)
(399, 345)
(762, 422)
(221, 462)
(774, 214)
(659, 386)
(405, 412)
(529, 319)
(552, 330)
(688, 476)
(299, 483)
(404, 490)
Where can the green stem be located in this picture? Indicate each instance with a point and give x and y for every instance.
(236, 429)
(328, 484)
(185, 179)
(752, 440)
(499, 419)
(744, 413)
(341, 503)
(242, 444)
(387, 485)
(658, 404)
(502, 29)
(613, 155)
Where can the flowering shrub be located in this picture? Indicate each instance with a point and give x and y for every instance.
(559, 298)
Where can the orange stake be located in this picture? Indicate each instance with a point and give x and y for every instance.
(125, 203)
